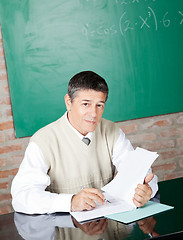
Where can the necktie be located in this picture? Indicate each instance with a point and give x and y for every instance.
(86, 140)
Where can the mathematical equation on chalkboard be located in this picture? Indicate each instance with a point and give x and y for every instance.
(142, 22)
(102, 3)
(127, 2)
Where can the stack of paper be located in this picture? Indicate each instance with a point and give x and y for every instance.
(120, 190)
(115, 206)
(131, 172)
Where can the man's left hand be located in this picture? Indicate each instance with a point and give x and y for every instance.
(143, 192)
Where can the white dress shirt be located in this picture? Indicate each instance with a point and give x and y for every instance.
(28, 186)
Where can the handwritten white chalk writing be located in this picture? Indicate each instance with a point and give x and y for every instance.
(127, 2)
(89, 31)
(182, 17)
(127, 23)
(146, 21)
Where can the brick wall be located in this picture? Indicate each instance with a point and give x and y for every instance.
(11, 149)
(163, 134)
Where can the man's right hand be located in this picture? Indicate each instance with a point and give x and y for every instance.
(86, 199)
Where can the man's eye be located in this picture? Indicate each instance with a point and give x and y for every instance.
(100, 105)
(85, 104)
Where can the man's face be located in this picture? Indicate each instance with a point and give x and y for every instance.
(85, 111)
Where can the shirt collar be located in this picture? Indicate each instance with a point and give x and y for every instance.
(88, 135)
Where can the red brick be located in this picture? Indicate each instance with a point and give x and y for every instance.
(6, 173)
(171, 154)
(5, 100)
(7, 90)
(12, 148)
(6, 209)
(15, 159)
(179, 142)
(3, 76)
(164, 167)
(169, 176)
(179, 120)
(130, 128)
(11, 136)
(3, 162)
(181, 163)
(142, 137)
(9, 113)
(171, 132)
(5, 196)
(4, 185)
(6, 125)
(2, 64)
(2, 137)
(154, 146)
(161, 123)
(1, 52)
(11, 161)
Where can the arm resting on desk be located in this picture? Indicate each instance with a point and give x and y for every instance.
(28, 186)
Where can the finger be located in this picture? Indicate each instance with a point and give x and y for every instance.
(148, 178)
(137, 204)
(95, 191)
(139, 199)
(145, 221)
(102, 227)
(90, 202)
(86, 204)
(86, 199)
(99, 226)
(94, 197)
(142, 197)
(87, 207)
(141, 222)
(143, 190)
(103, 223)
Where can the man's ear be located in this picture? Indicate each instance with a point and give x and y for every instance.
(68, 102)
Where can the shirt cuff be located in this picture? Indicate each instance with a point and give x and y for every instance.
(154, 185)
(61, 203)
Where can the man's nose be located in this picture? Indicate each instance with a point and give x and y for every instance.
(93, 111)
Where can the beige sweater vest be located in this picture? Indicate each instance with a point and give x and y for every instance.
(71, 163)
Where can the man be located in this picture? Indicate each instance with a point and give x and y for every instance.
(61, 171)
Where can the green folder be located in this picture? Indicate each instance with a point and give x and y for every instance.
(151, 208)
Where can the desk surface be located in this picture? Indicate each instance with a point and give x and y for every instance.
(17, 226)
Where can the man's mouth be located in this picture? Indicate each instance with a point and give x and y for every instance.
(90, 121)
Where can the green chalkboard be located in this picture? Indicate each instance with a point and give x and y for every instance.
(136, 45)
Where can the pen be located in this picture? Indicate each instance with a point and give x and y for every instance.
(150, 235)
(106, 201)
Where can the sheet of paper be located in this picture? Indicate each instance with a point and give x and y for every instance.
(115, 206)
(131, 172)
(150, 209)
(120, 190)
